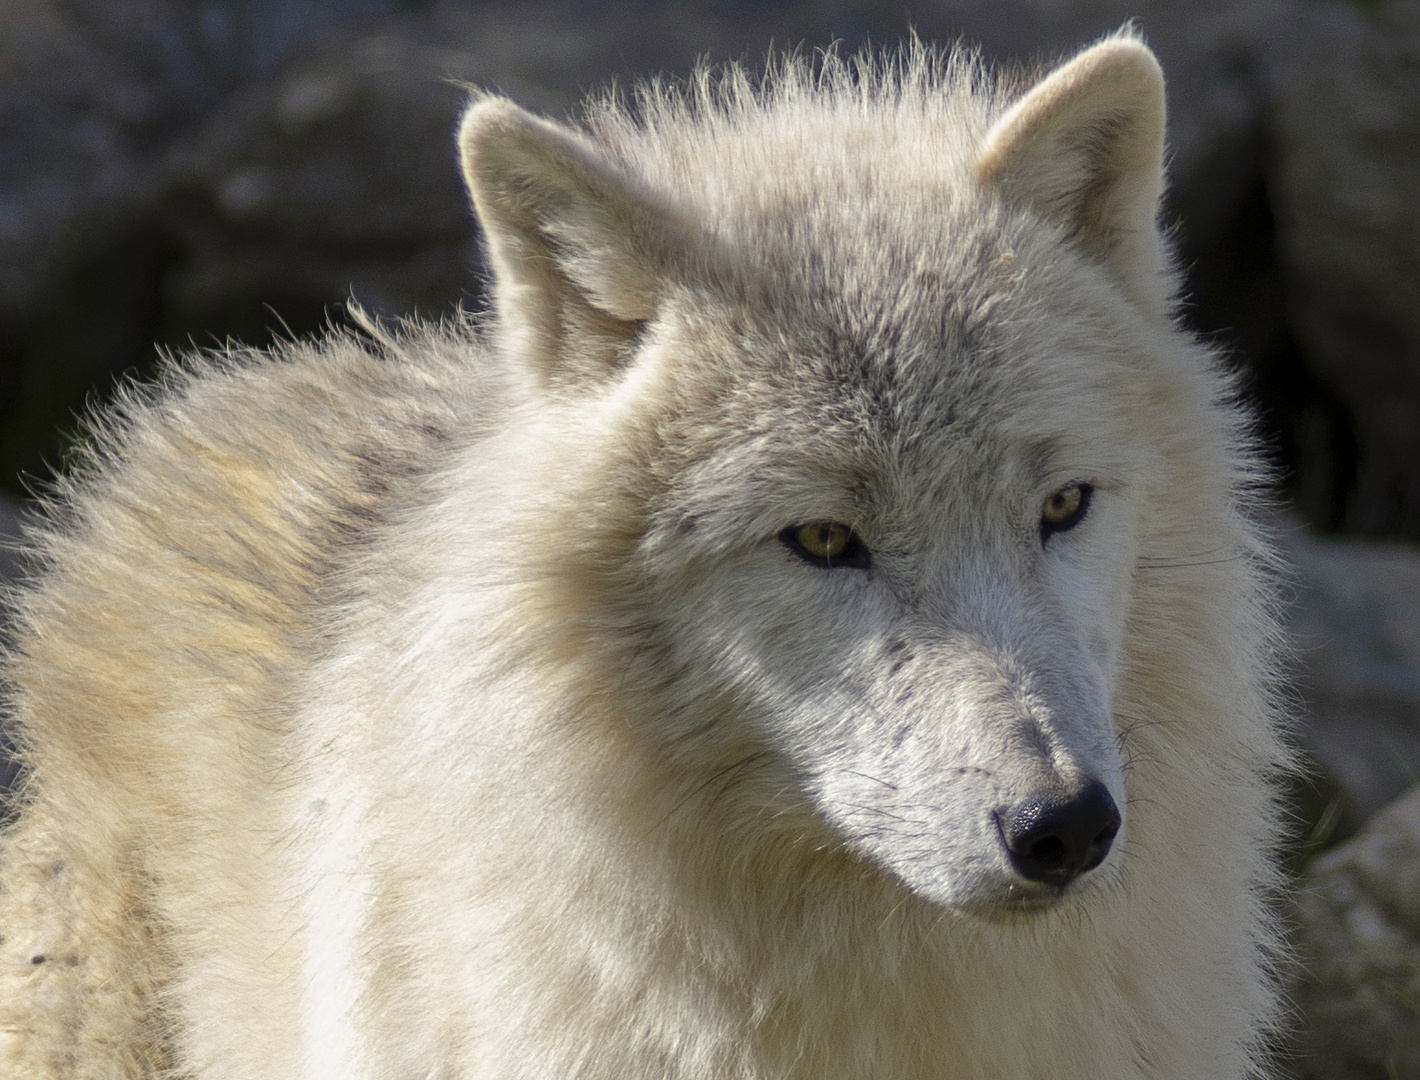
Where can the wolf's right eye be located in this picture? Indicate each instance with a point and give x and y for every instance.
(829, 544)
(1064, 509)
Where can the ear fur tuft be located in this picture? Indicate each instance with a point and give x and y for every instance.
(1085, 148)
(579, 252)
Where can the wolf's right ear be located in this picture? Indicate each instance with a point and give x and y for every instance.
(579, 251)
(1084, 148)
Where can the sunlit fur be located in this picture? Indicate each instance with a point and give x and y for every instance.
(442, 702)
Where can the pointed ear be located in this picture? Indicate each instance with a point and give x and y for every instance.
(1085, 148)
(579, 251)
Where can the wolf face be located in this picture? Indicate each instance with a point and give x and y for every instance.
(952, 672)
(886, 398)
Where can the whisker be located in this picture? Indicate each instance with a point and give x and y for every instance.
(886, 813)
(868, 776)
(1224, 553)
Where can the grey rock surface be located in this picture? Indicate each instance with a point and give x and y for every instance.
(95, 93)
(1344, 123)
(10, 555)
(1357, 636)
(94, 96)
(1358, 937)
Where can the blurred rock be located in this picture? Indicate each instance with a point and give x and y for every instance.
(1345, 112)
(1358, 649)
(9, 541)
(1358, 936)
(334, 178)
(94, 96)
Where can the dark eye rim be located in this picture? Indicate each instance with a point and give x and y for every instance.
(1050, 528)
(854, 556)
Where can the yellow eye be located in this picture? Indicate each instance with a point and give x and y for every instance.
(829, 544)
(824, 539)
(1064, 509)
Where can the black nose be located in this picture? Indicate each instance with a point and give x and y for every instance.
(1055, 839)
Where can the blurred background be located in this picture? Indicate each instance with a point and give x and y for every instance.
(181, 173)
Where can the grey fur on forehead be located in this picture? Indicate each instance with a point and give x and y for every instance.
(863, 190)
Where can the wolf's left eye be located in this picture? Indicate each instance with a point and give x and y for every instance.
(1064, 509)
(829, 544)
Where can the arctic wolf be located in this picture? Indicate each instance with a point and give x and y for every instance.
(811, 627)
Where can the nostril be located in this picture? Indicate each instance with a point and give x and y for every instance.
(1048, 852)
(1053, 838)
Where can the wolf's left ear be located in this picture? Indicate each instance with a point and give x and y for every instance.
(1085, 148)
(580, 253)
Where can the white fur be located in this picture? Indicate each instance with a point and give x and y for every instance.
(442, 703)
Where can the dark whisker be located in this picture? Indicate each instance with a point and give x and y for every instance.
(869, 776)
(887, 814)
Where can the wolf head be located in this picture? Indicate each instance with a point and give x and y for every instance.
(866, 384)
